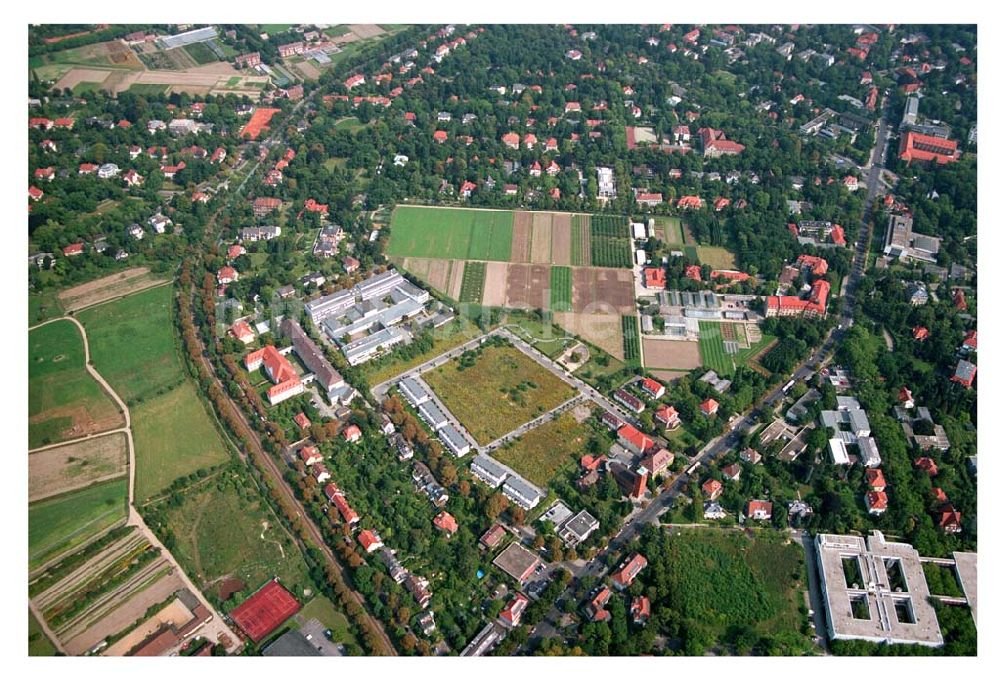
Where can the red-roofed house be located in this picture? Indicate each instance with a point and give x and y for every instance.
(730, 275)
(227, 274)
(759, 510)
(921, 333)
(926, 464)
(279, 370)
(235, 251)
(310, 455)
(312, 206)
(837, 235)
(510, 617)
(35, 193)
(640, 610)
(877, 502)
(354, 81)
(512, 140)
(906, 398)
(950, 520)
(721, 203)
(965, 373)
(715, 144)
(658, 462)
(655, 389)
(709, 407)
(971, 342)
(693, 272)
(466, 189)
(352, 433)
(302, 421)
(627, 572)
(242, 332)
(875, 479)
(343, 507)
(634, 440)
(649, 199)
(924, 148)
(88, 168)
(817, 266)
(440, 136)
(655, 278)
(689, 202)
(46, 173)
(668, 416)
(732, 472)
(712, 489)
(134, 178)
(73, 249)
(938, 495)
(446, 523)
(958, 297)
(369, 540)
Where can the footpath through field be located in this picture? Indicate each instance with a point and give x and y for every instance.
(215, 627)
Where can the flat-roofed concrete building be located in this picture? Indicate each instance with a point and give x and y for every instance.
(875, 591)
(453, 440)
(870, 457)
(372, 345)
(517, 562)
(432, 415)
(578, 528)
(414, 391)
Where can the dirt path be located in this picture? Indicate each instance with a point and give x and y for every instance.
(215, 627)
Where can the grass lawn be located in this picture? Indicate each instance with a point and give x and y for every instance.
(720, 579)
(38, 643)
(719, 258)
(324, 611)
(515, 387)
(473, 281)
(218, 529)
(58, 524)
(349, 124)
(561, 286)
(174, 436)
(271, 29)
(540, 452)
(549, 339)
(146, 89)
(484, 235)
(713, 353)
(233, 81)
(132, 343)
(43, 306)
(745, 356)
(61, 394)
(84, 87)
(669, 230)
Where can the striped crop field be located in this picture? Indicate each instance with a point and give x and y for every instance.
(473, 281)
(561, 289)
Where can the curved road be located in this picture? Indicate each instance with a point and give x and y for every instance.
(215, 627)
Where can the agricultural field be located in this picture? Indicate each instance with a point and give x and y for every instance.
(713, 338)
(174, 436)
(601, 329)
(719, 258)
(516, 387)
(132, 343)
(630, 340)
(580, 252)
(668, 229)
(539, 453)
(200, 53)
(717, 579)
(561, 286)
(64, 401)
(227, 539)
(451, 233)
(58, 524)
(670, 355)
(149, 90)
(610, 246)
(103, 289)
(74, 466)
(473, 282)
(38, 643)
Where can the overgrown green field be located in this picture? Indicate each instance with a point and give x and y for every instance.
(132, 343)
(43, 306)
(473, 281)
(60, 389)
(148, 89)
(484, 235)
(719, 258)
(540, 452)
(58, 524)
(201, 53)
(174, 437)
(38, 643)
(580, 225)
(502, 389)
(561, 288)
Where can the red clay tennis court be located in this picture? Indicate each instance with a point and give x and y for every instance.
(265, 610)
(258, 121)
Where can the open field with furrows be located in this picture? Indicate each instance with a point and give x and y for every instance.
(132, 343)
(495, 288)
(105, 288)
(112, 54)
(227, 539)
(473, 281)
(562, 239)
(520, 251)
(502, 390)
(527, 285)
(580, 254)
(609, 241)
(456, 278)
(57, 524)
(721, 579)
(602, 329)
(561, 285)
(451, 233)
(77, 465)
(174, 436)
(64, 401)
(541, 237)
(719, 258)
(540, 452)
(603, 290)
(670, 355)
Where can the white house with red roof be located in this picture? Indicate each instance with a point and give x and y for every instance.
(354, 81)
(712, 489)
(446, 523)
(649, 199)
(634, 440)
(369, 540)
(242, 332)
(654, 388)
(877, 502)
(668, 416)
(510, 617)
(132, 178)
(536, 169)
(45, 173)
(352, 433)
(87, 168)
(35, 193)
(759, 510)
(73, 249)
(310, 455)
(227, 274)
(709, 407)
(628, 571)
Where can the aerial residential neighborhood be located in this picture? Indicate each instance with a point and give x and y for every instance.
(503, 340)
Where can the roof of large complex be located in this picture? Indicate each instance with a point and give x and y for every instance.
(517, 561)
